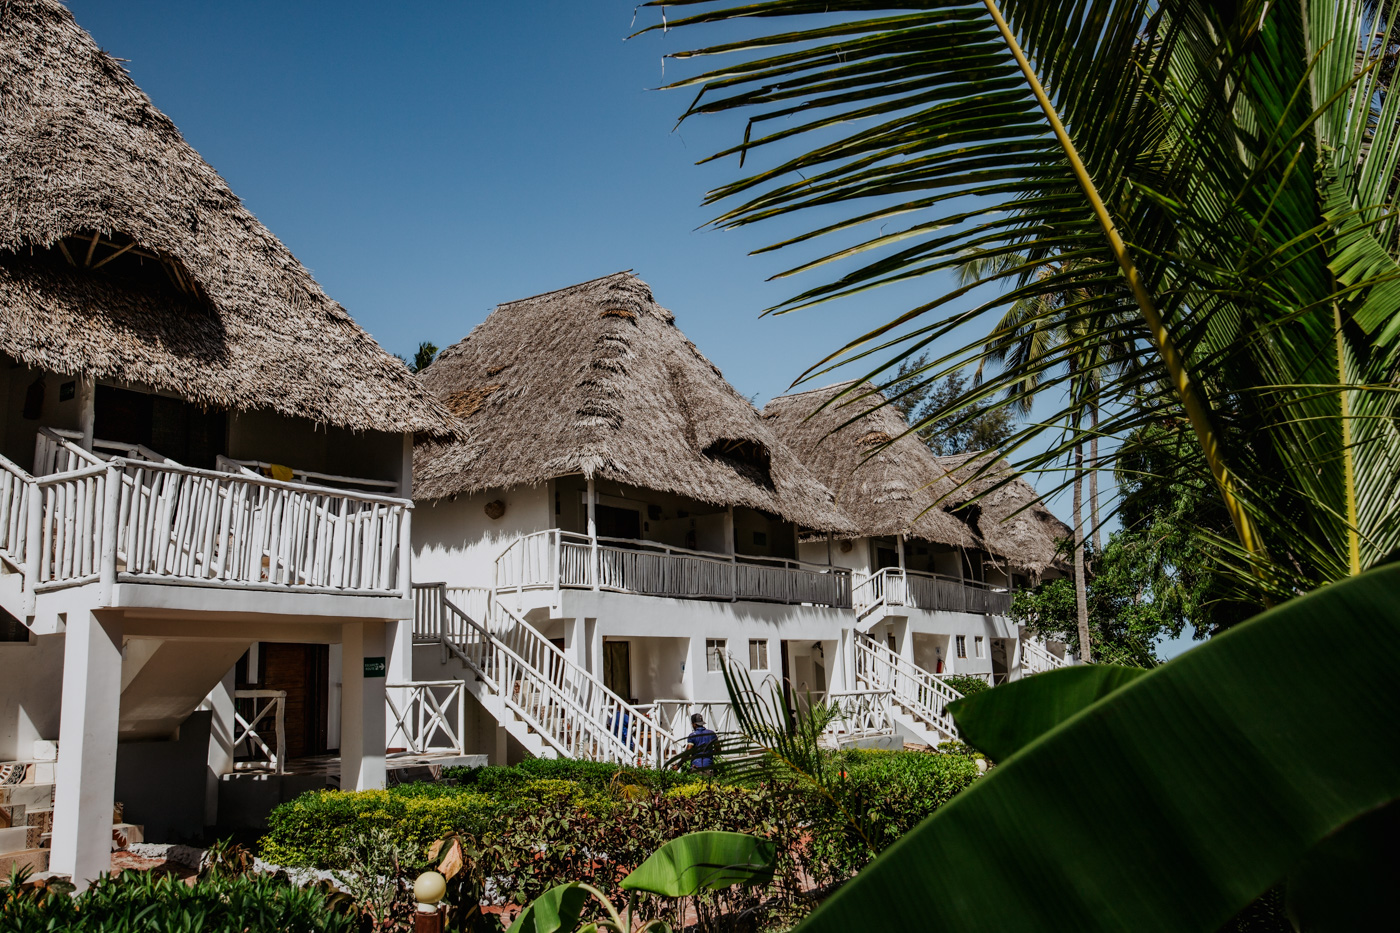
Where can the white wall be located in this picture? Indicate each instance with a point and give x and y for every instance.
(857, 558)
(32, 680)
(454, 541)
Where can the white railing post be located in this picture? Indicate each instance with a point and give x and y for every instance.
(405, 567)
(33, 545)
(111, 494)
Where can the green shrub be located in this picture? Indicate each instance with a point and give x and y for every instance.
(959, 748)
(592, 776)
(966, 684)
(312, 829)
(139, 902)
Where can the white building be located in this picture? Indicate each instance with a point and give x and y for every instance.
(617, 521)
(628, 514)
(163, 353)
(934, 561)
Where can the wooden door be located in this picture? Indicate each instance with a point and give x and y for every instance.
(304, 672)
(617, 668)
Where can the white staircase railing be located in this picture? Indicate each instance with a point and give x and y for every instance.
(16, 490)
(862, 713)
(570, 709)
(432, 720)
(924, 695)
(1036, 657)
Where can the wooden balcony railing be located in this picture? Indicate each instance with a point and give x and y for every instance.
(560, 559)
(892, 587)
(155, 521)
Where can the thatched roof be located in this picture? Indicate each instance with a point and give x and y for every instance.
(205, 302)
(887, 494)
(891, 492)
(597, 379)
(1013, 524)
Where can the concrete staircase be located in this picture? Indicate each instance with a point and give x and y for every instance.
(26, 820)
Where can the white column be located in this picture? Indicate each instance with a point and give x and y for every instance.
(731, 551)
(593, 532)
(87, 410)
(221, 726)
(87, 748)
(899, 547)
(362, 707)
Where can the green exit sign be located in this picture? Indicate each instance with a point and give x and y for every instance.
(374, 667)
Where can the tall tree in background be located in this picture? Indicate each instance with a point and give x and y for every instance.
(422, 358)
(979, 426)
(1219, 174)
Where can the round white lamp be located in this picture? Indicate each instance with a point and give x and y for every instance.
(430, 888)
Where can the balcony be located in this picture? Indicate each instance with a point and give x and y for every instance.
(563, 560)
(892, 588)
(140, 518)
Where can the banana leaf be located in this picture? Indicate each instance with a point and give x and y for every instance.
(557, 910)
(1001, 722)
(1174, 801)
(704, 861)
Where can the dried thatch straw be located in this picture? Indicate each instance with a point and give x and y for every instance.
(241, 324)
(892, 489)
(1014, 524)
(597, 379)
(886, 494)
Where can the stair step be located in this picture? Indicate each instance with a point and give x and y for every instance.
(28, 795)
(35, 860)
(19, 839)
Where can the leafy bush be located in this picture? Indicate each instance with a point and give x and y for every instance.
(315, 828)
(958, 748)
(593, 777)
(966, 684)
(138, 902)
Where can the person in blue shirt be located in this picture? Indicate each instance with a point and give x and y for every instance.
(700, 739)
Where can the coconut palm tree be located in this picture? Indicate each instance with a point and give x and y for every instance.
(1216, 178)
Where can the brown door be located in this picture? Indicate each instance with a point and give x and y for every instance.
(617, 667)
(304, 672)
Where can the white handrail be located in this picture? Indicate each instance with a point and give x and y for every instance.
(55, 452)
(314, 478)
(433, 718)
(917, 589)
(262, 755)
(861, 713)
(571, 709)
(1036, 657)
(925, 695)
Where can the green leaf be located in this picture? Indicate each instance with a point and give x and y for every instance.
(1174, 802)
(557, 910)
(1001, 722)
(1349, 880)
(704, 861)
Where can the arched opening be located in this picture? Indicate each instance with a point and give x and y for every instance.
(749, 458)
(122, 259)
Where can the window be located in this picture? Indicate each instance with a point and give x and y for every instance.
(981, 644)
(758, 654)
(962, 646)
(714, 654)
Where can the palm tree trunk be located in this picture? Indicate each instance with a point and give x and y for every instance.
(1081, 596)
(1094, 479)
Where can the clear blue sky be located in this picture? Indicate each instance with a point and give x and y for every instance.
(429, 160)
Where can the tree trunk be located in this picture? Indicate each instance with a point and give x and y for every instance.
(1094, 480)
(1081, 596)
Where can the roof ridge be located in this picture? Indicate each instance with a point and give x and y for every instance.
(565, 288)
(825, 388)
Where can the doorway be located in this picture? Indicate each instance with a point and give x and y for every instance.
(304, 672)
(617, 667)
(614, 522)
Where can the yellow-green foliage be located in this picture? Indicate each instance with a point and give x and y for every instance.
(307, 830)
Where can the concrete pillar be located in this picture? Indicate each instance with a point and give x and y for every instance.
(399, 660)
(362, 707)
(221, 732)
(576, 642)
(87, 748)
